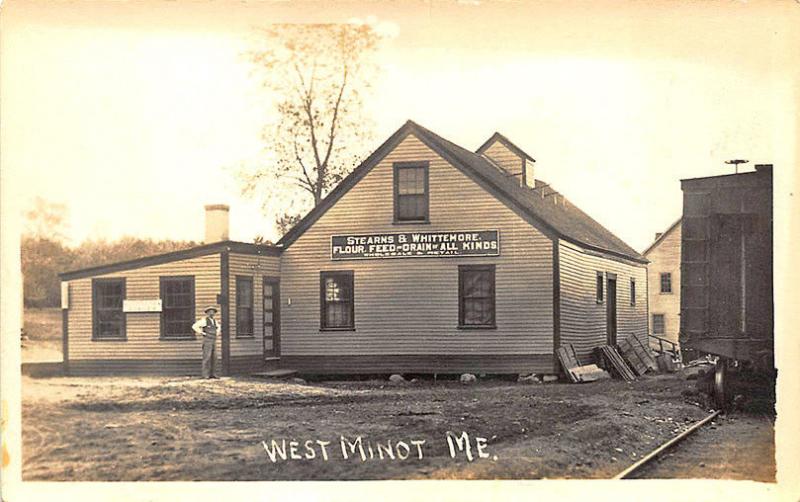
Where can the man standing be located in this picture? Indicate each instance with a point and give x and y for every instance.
(208, 328)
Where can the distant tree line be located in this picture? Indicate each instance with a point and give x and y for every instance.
(43, 258)
(45, 254)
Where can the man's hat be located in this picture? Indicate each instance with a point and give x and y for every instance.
(210, 307)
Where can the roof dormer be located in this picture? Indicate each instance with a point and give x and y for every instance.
(510, 158)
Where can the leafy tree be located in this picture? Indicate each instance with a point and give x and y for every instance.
(318, 75)
(46, 220)
(43, 259)
(44, 254)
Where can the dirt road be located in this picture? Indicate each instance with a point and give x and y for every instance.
(189, 429)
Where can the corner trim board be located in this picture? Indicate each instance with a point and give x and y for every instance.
(556, 302)
(225, 276)
(65, 338)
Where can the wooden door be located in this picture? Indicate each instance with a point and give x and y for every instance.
(271, 305)
(611, 310)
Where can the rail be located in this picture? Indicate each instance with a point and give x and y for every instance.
(664, 447)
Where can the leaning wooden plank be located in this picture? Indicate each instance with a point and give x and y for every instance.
(604, 360)
(565, 358)
(650, 360)
(566, 363)
(629, 373)
(632, 357)
(625, 350)
(600, 359)
(615, 360)
(570, 356)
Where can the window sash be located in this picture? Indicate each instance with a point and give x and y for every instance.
(177, 306)
(411, 207)
(633, 292)
(659, 324)
(108, 317)
(337, 300)
(411, 192)
(244, 306)
(599, 287)
(666, 282)
(476, 286)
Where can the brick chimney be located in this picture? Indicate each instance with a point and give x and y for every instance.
(216, 223)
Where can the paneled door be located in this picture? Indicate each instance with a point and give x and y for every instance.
(271, 305)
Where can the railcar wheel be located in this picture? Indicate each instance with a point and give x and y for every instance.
(721, 383)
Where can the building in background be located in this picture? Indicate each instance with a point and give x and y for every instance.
(664, 280)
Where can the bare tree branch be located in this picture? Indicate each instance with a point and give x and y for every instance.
(318, 75)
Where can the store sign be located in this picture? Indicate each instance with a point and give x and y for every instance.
(415, 245)
(141, 305)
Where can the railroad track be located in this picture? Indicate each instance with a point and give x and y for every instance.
(636, 467)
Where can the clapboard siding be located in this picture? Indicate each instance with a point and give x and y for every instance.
(410, 305)
(256, 267)
(666, 257)
(505, 158)
(583, 320)
(142, 329)
(404, 363)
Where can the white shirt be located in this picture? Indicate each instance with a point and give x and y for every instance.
(201, 323)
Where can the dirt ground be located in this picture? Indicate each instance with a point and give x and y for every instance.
(160, 428)
(733, 447)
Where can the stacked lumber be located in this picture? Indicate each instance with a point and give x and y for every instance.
(609, 358)
(637, 355)
(573, 369)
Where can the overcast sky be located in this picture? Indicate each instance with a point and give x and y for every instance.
(133, 113)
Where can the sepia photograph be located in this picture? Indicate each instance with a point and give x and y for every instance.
(456, 241)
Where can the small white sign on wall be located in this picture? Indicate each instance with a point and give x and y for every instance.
(141, 305)
(64, 295)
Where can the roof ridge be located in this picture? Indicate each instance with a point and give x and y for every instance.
(559, 220)
(662, 236)
(512, 185)
(508, 144)
(169, 256)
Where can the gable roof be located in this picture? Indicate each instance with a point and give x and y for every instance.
(562, 220)
(507, 143)
(183, 254)
(661, 237)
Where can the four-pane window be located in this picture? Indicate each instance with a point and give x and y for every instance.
(476, 307)
(666, 282)
(244, 306)
(177, 306)
(411, 192)
(108, 319)
(336, 300)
